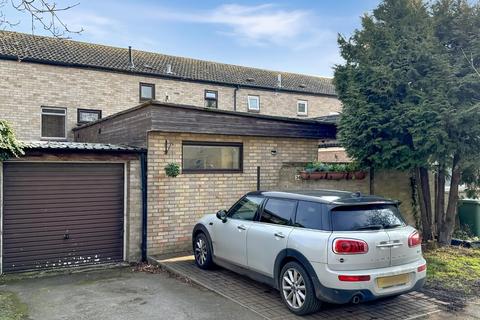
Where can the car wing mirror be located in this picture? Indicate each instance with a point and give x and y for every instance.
(222, 215)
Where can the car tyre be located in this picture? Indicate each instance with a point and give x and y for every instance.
(202, 251)
(297, 291)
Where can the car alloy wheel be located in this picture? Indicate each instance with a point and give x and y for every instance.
(293, 288)
(201, 251)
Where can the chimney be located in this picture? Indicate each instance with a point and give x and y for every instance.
(130, 57)
(169, 69)
(279, 80)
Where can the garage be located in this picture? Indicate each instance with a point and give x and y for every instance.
(62, 214)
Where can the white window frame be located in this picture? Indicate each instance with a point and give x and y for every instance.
(258, 102)
(53, 114)
(305, 102)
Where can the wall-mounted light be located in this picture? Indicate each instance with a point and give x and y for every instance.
(273, 152)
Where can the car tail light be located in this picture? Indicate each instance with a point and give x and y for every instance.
(422, 268)
(414, 239)
(354, 278)
(349, 246)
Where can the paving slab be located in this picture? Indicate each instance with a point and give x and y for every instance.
(266, 302)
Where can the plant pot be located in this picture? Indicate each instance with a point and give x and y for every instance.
(359, 175)
(318, 175)
(304, 175)
(337, 175)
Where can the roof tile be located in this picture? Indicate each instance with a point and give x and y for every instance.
(21, 46)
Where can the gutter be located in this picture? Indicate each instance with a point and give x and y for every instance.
(143, 165)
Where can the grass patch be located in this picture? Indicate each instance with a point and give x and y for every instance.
(453, 270)
(11, 308)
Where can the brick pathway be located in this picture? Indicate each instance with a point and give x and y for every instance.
(267, 302)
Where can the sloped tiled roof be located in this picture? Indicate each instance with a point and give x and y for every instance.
(81, 146)
(48, 50)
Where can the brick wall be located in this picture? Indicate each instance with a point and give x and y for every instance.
(175, 204)
(289, 180)
(25, 87)
(396, 185)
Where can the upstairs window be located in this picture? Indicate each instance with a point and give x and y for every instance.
(54, 123)
(302, 107)
(88, 115)
(147, 91)
(253, 103)
(211, 99)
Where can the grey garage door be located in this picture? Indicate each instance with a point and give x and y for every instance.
(58, 215)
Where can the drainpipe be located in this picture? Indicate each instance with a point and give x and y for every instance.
(143, 165)
(235, 98)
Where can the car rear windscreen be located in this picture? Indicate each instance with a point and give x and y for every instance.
(367, 217)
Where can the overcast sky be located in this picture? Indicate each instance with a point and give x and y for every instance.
(295, 36)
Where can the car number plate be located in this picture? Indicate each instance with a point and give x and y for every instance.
(392, 281)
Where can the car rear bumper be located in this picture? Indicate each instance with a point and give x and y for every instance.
(330, 289)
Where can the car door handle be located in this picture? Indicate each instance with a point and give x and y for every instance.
(279, 235)
(241, 227)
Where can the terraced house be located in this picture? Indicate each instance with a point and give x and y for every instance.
(50, 86)
(101, 123)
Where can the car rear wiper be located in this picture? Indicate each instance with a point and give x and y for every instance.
(370, 227)
(391, 226)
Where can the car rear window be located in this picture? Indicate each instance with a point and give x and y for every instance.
(371, 217)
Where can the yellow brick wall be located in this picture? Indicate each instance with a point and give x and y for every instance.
(175, 204)
(25, 87)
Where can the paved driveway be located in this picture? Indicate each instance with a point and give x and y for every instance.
(267, 303)
(121, 294)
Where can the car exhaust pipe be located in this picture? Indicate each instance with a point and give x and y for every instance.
(356, 299)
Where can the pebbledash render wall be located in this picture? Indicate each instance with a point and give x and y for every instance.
(175, 204)
(26, 87)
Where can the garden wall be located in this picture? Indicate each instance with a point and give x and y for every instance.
(387, 183)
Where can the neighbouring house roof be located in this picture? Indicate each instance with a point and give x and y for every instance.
(78, 146)
(331, 118)
(48, 50)
(130, 126)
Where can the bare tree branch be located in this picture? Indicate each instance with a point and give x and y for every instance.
(42, 12)
(470, 62)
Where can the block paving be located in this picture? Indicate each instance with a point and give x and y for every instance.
(266, 302)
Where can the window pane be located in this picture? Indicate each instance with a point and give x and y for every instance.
(246, 208)
(309, 215)
(203, 157)
(301, 108)
(355, 218)
(146, 92)
(55, 111)
(88, 116)
(53, 126)
(210, 103)
(211, 95)
(253, 103)
(278, 211)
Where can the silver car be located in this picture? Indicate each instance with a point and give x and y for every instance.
(315, 246)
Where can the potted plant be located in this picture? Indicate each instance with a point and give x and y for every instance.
(355, 172)
(172, 169)
(320, 171)
(314, 171)
(338, 172)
